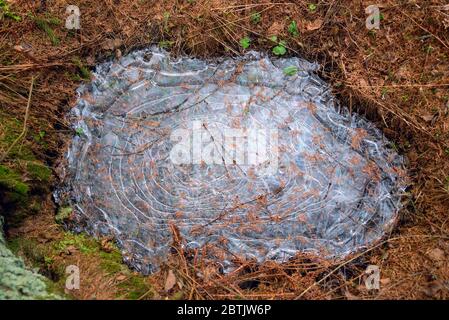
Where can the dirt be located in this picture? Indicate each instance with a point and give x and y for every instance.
(397, 77)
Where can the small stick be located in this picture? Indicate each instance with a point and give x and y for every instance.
(24, 130)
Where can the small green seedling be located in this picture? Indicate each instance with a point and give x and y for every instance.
(39, 136)
(312, 7)
(84, 72)
(79, 131)
(256, 17)
(245, 42)
(165, 44)
(280, 49)
(293, 29)
(290, 71)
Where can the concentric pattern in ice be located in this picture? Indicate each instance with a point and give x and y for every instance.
(326, 183)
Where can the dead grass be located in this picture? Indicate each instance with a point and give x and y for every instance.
(397, 76)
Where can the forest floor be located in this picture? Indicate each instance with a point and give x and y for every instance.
(397, 77)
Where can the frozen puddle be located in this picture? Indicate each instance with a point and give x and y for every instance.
(244, 158)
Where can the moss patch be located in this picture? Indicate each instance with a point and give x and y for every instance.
(11, 180)
(23, 179)
(63, 214)
(10, 130)
(16, 281)
(85, 244)
(52, 257)
(39, 172)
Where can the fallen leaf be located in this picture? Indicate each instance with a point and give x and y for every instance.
(427, 117)
(275, 29)
(121, 277)
(106, 245)
(436, 254)
(170, 281)
(314, 25)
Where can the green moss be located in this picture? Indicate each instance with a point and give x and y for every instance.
(135, 287)
(35, 205)
(56, 289)
(39, 172)
(12, 181)
(38, 256)
(112, 262)
(84, 72)
(10, 129)
(42, 256)
(22, 177)
(34, 253)
(18, 282)
(80, 241)
(63, 214)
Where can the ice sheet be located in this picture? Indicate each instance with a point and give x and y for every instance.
(327, 182)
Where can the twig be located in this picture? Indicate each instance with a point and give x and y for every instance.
(24, 130)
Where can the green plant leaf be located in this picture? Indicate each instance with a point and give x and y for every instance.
(312, 7)
(279, 50)
(245, 42)
(165, 44)
(7, 12)
(290, 71)
(293, 29)
(79, 131)
(256, 17)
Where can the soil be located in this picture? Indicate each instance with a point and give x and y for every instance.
(397, 77)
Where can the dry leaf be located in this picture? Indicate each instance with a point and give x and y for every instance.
(170, 281)
(121, 277)
(427, 118)
(436, 254)
(26, 50)
(106, 245)
(314, 25)
(275, 29)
